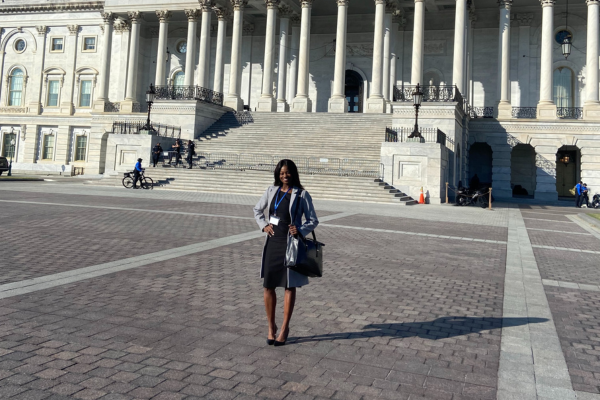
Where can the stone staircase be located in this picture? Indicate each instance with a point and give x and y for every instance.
(321, 187)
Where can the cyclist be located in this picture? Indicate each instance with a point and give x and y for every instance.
(136, 172)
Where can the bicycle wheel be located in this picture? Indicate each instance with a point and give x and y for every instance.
(147, 183)
(128, 182)
(462, 201)
(482, 202)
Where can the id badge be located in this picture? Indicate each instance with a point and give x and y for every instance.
(274, 220)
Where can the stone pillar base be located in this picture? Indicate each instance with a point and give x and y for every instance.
(504, 111)
(546, 111)
(375, 106)
(283, 106)
(388, 107)
(127, 106)
(99, 105)
(337, 105)
(233, 102)
(266, 104)
(591, 112)
(35, 108)
(301, 104)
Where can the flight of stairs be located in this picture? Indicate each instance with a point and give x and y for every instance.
(321, 187)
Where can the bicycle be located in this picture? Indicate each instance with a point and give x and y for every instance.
(145, 182)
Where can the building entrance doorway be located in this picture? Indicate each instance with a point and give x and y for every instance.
(354, 91)
(480, 165)
(523, 170)
(568, 169)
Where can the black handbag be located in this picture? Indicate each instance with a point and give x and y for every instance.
(304, 256)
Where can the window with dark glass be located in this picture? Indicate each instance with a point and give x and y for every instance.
(80, 148)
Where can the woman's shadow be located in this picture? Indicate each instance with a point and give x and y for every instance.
(440, 328)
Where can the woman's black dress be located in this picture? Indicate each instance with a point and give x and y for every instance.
(275, 271)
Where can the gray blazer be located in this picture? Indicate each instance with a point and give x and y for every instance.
(306, 208)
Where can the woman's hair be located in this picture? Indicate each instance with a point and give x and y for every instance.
(292, 169)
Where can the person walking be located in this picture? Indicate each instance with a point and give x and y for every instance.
(585, 196)
(191, 153)
(156, 153)
(285, 198)
(578, 194)
(136, 172)
(177, 146)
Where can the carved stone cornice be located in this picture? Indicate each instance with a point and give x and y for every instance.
(41, 30)
(163, 15)
(548, 3)
(134, 16)
(507, 4)
(525, 19)
(206, 5)
(285, 11)
(272, 4)
(222, 13)
(307, 3)
(76, 6)
(239, 4)
(192, 15)
(73, 29)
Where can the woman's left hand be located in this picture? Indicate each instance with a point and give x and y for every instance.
(293, 230)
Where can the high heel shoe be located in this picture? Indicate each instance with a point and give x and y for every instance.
(277, 343)
(271, 342)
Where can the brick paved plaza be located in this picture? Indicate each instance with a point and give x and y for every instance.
(116, 294)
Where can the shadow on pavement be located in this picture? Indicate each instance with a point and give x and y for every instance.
(440, 328)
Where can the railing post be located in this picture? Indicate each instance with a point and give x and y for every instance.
(490, 198)
(446, 192)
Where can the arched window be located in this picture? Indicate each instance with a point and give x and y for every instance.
(178, 79)
(563, 87)
(15, 93)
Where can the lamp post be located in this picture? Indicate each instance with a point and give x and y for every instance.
(566, 43)
(12, 153)
(150, 95)
(417, 99)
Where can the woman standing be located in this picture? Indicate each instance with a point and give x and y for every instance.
(286, 199)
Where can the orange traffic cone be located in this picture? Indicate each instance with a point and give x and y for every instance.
(421, 197)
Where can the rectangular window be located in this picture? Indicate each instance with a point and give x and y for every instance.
(57, 44)
(16, 90)
(89, 43)
(80, 147)
(8, 149)
(85, 97)
(48, 151)
(53, 91)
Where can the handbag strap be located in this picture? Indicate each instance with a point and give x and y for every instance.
(296, 214)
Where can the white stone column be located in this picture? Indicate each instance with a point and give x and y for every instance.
(190, 55)
(161, 53)
(591, 108)
(267, 102)
(295, 46)
(102, 91)
(546, 108)
(396, 19)
(387, 48)
(221, 32)
(504, 106)
(469, 80)
(284, 34)
(301, 102)
(37, 77)
(524, 70)
(203, 65)
(233, 98)
(338, 102)
(376, 102)
(416, 76)
(458, 66)
(132, 70)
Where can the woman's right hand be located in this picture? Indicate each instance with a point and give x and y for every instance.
(269, 230)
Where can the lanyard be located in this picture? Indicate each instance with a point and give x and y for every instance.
(277, 203)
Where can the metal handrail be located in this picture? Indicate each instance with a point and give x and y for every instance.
(188, 93)
(481, 112)
(309, 165)
(569, 112)
(135, 128)
(431, 93)
(401, 134)
(524, 112)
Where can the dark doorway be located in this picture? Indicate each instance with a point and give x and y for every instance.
(480, 164)
(568, 170)
(354, 91)
(523, 171)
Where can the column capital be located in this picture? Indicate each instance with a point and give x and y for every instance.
(341, 3)
(239, 4)
(41, 30)
(378, 2)
(163, 15)
(192, 15)
(73, 29)
(507, 4)
(419, 1)
(222, 13)
(272, 4)
(307, 3)
(295, 20)
(592, 2)
(206, 5)
(285, 11)
(248, 29)
(134, 16)
(398, 18)
(108, 17)
(121, 26)
(525, 19)
(548, 3)
(390, 6)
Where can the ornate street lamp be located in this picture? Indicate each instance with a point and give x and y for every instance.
(565, 159)
(150, 95)
(12, 153)
(417, 99)
(566, 43)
